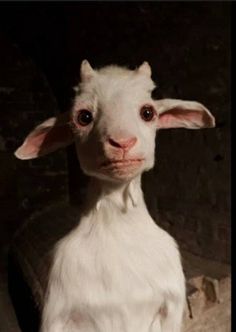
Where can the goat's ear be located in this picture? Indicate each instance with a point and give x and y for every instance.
(175, 113)
(49, 136)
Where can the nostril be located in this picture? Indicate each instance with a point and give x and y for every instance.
(114, 143)
(131, 142)
(123, 143)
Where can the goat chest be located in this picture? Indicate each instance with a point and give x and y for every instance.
(115, 272)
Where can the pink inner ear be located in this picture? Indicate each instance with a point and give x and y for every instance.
(179, 118)
(45, 141)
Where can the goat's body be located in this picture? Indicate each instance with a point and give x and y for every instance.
(116, 272)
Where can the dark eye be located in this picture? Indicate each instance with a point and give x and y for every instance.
(84, 118)
(147, 113)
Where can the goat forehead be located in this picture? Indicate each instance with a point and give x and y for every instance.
(120, 104)
(114, 83)
(122, 88)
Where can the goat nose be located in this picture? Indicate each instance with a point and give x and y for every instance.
(123, 143)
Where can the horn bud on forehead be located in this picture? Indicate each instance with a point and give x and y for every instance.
(86, 71)
(145, 69)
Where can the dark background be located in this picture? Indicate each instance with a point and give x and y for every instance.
(188, 47)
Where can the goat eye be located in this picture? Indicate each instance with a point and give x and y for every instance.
(84, 118)
(147, 113)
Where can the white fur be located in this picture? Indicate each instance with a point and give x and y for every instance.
(117, 271)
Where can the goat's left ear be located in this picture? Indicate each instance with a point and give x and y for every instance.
(175, 113)
(48, 137)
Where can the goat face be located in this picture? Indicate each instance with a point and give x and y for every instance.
(113, 122)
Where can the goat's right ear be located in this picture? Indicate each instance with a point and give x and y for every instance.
(48, 137)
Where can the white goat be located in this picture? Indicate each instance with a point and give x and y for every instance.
(117, 271)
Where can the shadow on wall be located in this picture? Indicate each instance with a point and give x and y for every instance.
(187, 45)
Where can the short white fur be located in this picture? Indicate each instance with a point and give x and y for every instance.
(117, 271)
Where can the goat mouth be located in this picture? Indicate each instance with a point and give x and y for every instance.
(121, 163)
